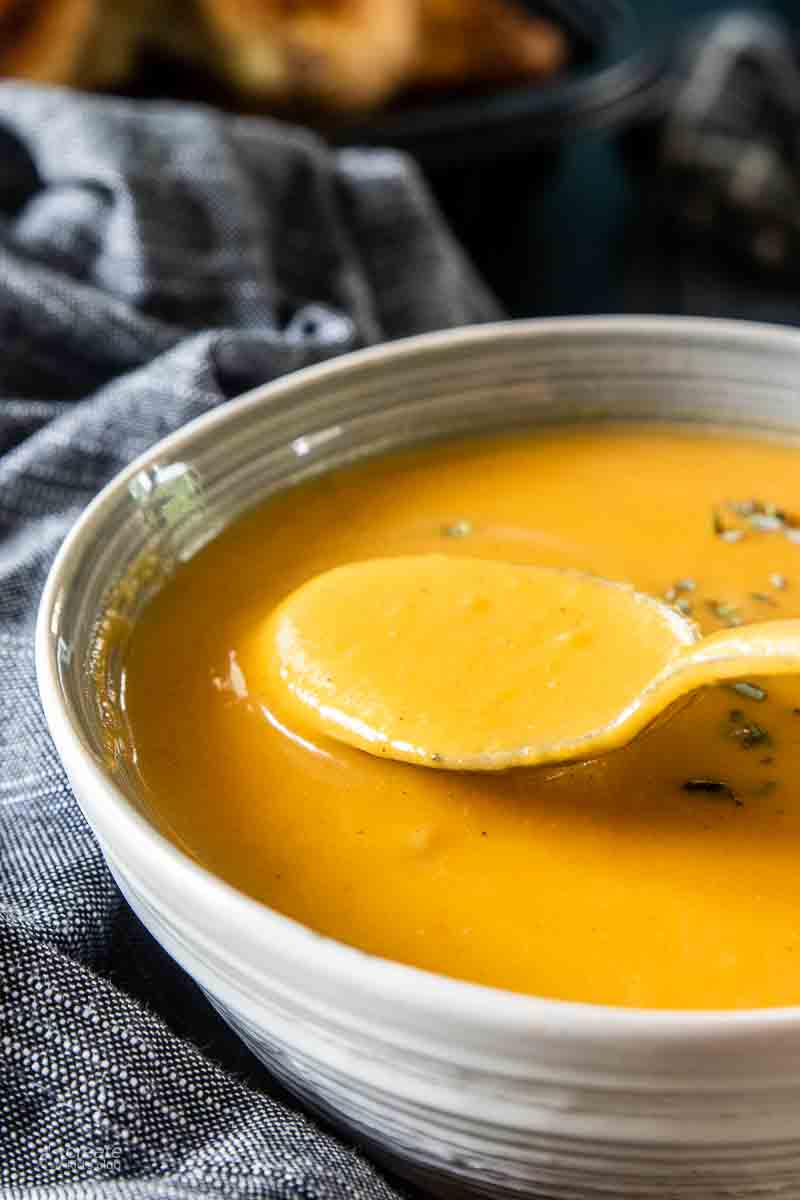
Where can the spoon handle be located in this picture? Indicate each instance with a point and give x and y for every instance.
(769, 648)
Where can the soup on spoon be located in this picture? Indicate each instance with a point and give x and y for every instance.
(479, 665)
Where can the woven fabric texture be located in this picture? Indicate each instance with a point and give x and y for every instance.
(156, 260)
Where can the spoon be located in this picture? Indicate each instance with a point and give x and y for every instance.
(477, 665)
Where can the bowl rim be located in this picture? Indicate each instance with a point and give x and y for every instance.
(349, 968)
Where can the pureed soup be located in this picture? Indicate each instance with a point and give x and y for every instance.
(662, 875)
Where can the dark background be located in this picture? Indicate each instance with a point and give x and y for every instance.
(584, 241)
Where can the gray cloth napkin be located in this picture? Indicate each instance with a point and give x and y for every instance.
(155, 260)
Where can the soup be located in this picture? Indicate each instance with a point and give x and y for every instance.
(662, 875)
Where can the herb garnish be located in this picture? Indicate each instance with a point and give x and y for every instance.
(673, 595)
(757, 511)
(763, 598)
(713, 787)
(727, 613)
(767, 522)
(750, 690)
(747, 733)
(680, 585)
(745, 508)
(721, 530)
(457, 529)
(754, 516)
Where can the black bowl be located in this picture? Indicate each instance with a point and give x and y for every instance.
(610, 78)
(490, 156)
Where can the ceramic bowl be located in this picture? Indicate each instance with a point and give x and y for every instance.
(467, 1089)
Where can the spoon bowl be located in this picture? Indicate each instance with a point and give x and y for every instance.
(470, 664)
(475, 665)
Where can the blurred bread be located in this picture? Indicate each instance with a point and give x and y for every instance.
(335, 54)
(44, 40)
(340, 53)
(355, 54)
(87, 43)
(485, 40)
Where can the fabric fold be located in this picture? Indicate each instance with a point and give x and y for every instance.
(155, 261)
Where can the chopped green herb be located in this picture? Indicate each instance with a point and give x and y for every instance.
(713, 787)
(745, 508)
(751, 690)
(763, 598)
(727, 613)
(756, 516)
(766, 522)
(673, 595)
(748, 734)
(458, 529)
(750, 509)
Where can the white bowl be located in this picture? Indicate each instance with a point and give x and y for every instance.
(464, 1088)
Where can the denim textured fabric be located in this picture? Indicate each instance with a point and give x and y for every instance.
(156, 260)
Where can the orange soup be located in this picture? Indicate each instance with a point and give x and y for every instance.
(662, 875)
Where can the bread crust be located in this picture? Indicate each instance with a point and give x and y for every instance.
(44, 40)
(485, 40)
(344, 55)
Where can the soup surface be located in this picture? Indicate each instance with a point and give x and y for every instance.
(663, 875)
